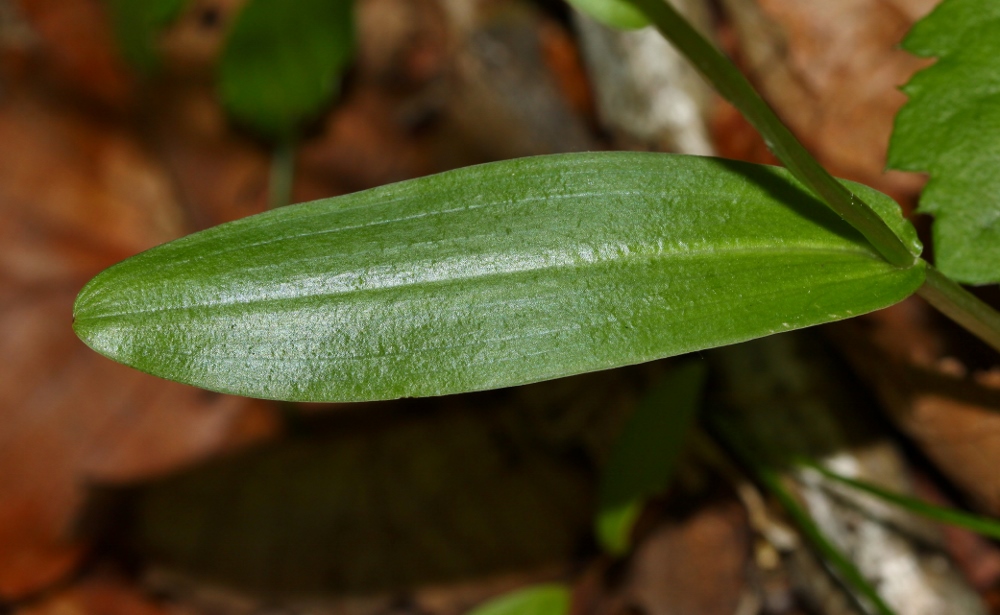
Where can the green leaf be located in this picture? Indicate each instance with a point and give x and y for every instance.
(645, 454)
(137, 23)
(734, 87)
(489, 276)
(619, 14)
(283, 62)
(951, 128)
(550, 599)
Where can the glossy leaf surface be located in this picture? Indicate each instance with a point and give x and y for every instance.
(951, 128)
(490, 276)
(645, 455)
(283, 62)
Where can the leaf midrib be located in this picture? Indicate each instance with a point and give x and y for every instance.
(634, 257)
(353, 357)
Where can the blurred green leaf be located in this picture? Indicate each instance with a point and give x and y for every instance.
(645, 455)
(137, 23)
(950, 128)
(613, 525)
(283, 62)
(550, 599)
(619, 14)
(488, 277)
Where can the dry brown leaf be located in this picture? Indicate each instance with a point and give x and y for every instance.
(77, 195)
(76, 50)
(709, 577)
(953, 415)
(696, 563)
(99, 593)
(405, 495)
(832, 71)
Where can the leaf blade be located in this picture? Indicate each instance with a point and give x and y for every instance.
(948, 128)
(282, 62)
(486, 277)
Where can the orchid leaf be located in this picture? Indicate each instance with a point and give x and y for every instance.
(491, 276)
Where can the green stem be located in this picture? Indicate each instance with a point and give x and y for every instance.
(948, 297)
(843, 568)
(279, 191)
(735, 88)
(958, 518)
(961, 306)
(827, 550)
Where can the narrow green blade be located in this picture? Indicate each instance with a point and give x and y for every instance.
(618, 14)
(489, 276)
(646, 453)
(839, 563)
(942, 514)
(549, 599)
(843, 568)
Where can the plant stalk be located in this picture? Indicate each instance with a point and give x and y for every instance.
(734, 87)
(833, 556)
(961, 306)
(959, 518)
(279, 192)
(941, 292)
(864, 594)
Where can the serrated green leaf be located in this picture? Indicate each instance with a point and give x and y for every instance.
(137, 23)
(951, 128)
(489, 276)
(549, 599)
(283, 62)
(646, 453)
(619, 14)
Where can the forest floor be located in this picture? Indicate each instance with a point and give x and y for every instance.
(121, 493)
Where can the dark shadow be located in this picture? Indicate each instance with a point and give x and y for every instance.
(385, 496)
(789, 397)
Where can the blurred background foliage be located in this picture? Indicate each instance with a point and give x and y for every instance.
(128, 123)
